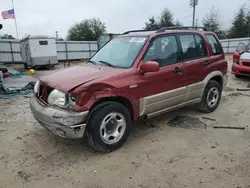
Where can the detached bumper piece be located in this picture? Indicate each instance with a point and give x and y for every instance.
(60, 122)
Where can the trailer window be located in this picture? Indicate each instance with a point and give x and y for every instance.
(43, 42)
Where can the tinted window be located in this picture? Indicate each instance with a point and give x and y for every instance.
(216, 49)
(202, 51)
(189, 49)
(43, 42)
(164, 50)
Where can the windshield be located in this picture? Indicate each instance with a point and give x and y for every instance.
(120, 52)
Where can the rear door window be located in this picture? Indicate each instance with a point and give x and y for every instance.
(201, 46)
(214, 44)
(188, 45)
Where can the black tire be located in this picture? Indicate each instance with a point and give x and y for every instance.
(238, 76)
(26, 66)
(4, 70)
(94, 123)
(203, 106)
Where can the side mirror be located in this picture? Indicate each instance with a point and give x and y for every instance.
(1, 26)
(149, 66)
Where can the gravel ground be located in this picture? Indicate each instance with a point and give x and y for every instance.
(182, 149)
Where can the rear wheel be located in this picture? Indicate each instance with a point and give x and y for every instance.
(109, 127)
(211, 97)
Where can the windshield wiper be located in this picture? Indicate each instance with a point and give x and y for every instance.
(93, 62)
(106, 63)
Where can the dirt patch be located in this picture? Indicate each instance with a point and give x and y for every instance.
(187, 122)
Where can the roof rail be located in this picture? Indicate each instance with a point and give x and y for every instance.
(133, 31)
(180, 28)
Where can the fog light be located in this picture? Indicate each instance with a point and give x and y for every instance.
(61, 133)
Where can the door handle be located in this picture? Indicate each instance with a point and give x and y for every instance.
(177, 69)
(205, 63)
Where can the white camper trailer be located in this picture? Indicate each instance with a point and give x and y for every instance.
(39, 51)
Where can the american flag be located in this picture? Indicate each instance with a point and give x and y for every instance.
(8, 14)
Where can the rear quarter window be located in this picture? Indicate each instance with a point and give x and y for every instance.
(214, 44)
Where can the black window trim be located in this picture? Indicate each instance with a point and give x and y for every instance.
(218, 42)
(160, 36)
(198, 57)
(43, 42)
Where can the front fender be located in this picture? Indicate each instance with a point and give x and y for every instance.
(86, 100)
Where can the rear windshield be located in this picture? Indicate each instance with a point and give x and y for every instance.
(120, 52)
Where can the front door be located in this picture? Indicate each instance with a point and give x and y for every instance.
(239, 50)
(166, 88)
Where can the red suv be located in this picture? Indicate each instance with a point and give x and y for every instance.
(139, 74)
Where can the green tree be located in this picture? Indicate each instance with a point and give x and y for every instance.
(166, 19)
(240, 26)
(151, 24)
(248, 23)
(211, 21)
(7, 36)
(88, 30)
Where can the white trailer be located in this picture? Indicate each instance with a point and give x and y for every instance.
(39, 51)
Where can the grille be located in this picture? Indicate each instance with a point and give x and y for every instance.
(245, 72)
(44, 92)
(246, 64)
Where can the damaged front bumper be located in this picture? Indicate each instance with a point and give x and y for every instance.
(60, 122)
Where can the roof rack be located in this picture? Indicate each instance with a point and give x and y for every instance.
(134, 31)
(180, 28)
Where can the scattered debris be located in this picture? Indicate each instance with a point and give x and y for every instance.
(23, 175)
(212, 168)
(7, 93)
(208, 118)
(212, 147)
(229, 89)
(228, 127)
(187, 122)
(238, 89)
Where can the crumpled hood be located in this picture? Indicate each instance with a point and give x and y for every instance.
(69, 78)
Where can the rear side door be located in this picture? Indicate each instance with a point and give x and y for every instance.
(195, 59)
(164, 89)
(239, 50)
(217, 60)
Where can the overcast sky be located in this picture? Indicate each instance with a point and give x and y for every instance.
(44, 17)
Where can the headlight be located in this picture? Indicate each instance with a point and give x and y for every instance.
(36, 87)
(71, 101)
(57, 98)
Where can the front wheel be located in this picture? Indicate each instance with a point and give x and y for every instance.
(109, 127)
(211, 97)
